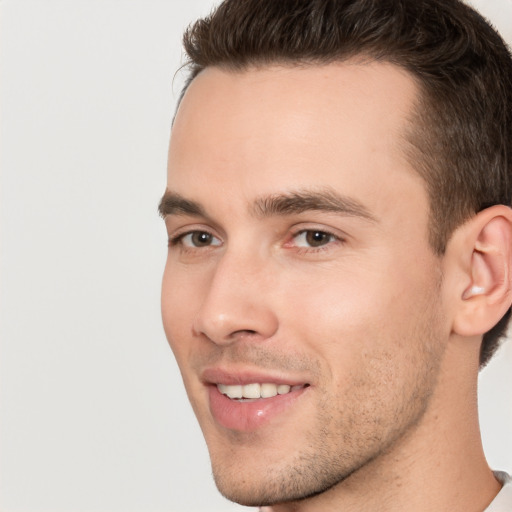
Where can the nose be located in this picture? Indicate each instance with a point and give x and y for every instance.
(238, 302)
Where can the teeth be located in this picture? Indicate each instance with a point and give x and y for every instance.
(282, 389)
(230, 391)
(251, 391)
(269, 390)
(254, 391)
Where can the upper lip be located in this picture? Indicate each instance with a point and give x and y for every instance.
(240, 377)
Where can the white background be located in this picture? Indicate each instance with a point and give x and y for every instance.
(93, 414)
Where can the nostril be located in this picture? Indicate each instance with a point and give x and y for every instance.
(243, 332)
(225, 319)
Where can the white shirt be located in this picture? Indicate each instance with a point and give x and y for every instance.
(503, 500)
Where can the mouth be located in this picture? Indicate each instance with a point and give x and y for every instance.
(255, 391)
(247, 401)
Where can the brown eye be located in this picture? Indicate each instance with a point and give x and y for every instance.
(198, 239)
(313, 238)
(317, 238)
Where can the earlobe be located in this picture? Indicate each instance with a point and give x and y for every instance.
(487, 293)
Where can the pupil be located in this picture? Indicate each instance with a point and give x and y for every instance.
(317, 238)
(202, 238)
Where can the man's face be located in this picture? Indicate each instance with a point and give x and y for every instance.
(300, 296)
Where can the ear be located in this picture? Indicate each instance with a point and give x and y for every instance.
(485, 283)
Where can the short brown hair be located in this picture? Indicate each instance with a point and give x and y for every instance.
(460, 140)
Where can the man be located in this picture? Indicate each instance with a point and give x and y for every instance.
(340, 250)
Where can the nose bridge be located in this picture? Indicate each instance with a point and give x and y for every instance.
(238, 299)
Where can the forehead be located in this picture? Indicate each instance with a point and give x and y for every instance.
(263, 130)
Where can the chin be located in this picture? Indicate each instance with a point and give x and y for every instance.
(254, 487)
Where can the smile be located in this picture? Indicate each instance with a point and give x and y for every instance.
(256, 391)
(247, 407)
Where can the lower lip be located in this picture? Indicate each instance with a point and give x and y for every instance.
(249, 415)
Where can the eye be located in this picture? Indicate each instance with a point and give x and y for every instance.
(196, 239)
(313, 238)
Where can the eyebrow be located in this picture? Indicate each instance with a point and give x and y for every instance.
(289, 203)
(175, 204)
(302, 201)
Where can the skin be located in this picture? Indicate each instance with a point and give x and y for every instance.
(365, 316)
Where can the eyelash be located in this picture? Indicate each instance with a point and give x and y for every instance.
(178, 239)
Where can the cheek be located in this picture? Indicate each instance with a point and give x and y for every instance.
(179, 302)
(362, 311)
(179, 307)
(337, 300)
(380, 351)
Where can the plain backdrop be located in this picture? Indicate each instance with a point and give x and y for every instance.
(93, 414)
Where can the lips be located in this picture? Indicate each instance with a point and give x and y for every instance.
(246, 402)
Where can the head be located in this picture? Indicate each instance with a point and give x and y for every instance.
(324, 163)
